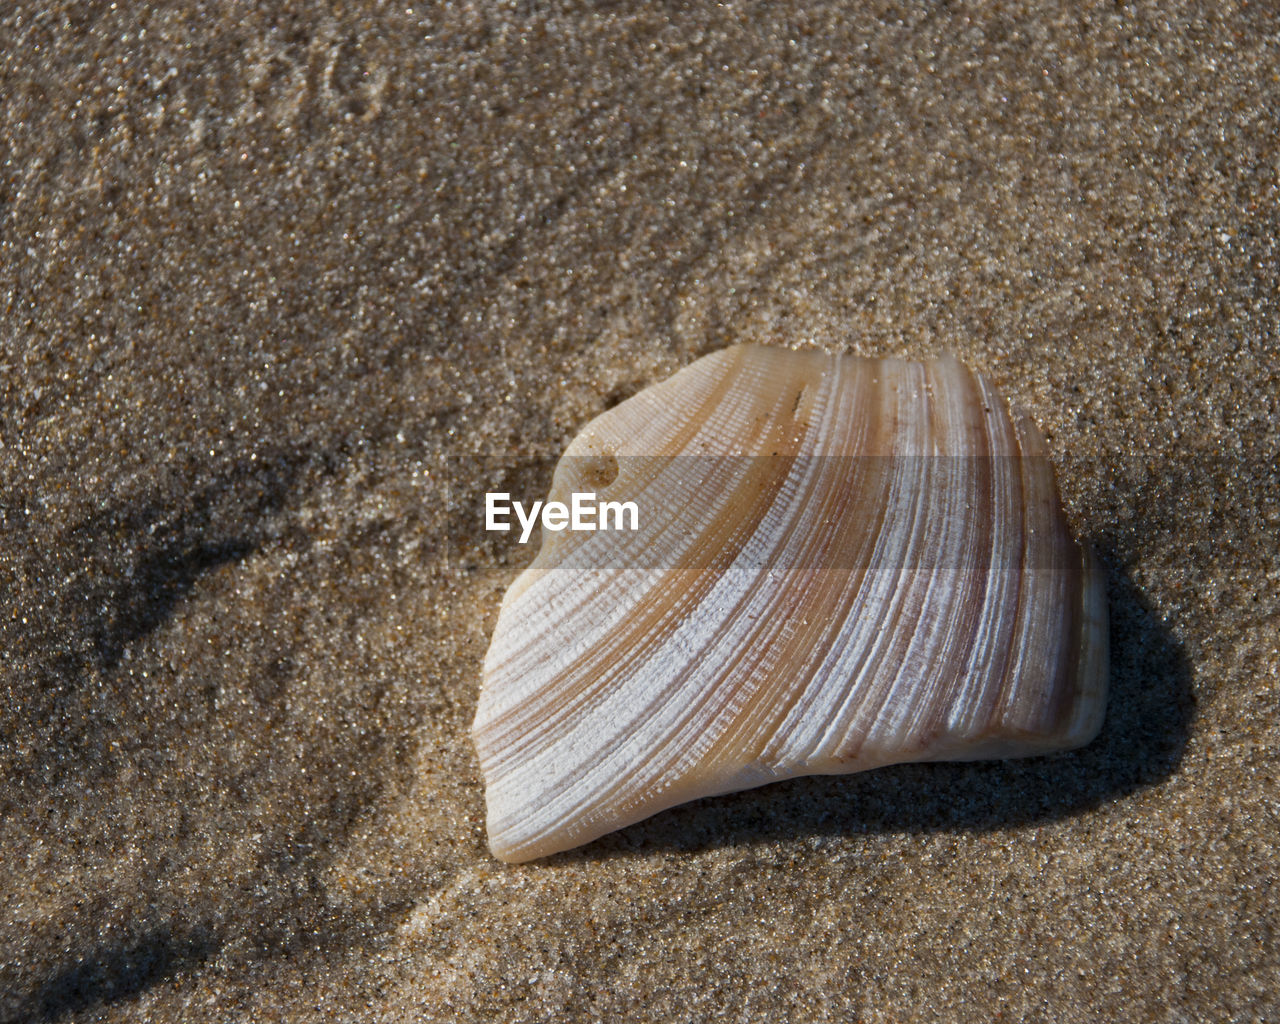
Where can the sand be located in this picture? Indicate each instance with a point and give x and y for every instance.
(286, 289)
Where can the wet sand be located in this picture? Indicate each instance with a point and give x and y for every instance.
(285, 292)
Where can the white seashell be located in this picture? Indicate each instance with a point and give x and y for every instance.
(842, 563)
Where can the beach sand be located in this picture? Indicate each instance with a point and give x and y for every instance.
(286, 288)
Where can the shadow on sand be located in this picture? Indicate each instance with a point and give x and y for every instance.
(1149, 712)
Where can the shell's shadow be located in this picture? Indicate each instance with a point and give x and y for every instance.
(1149, 713)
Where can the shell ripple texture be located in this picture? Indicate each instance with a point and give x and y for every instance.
(839, 563)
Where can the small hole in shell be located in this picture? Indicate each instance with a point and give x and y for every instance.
(599, 471)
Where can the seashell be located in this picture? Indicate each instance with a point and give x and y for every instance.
(841, 563)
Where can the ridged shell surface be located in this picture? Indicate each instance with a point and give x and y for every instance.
(840, 563)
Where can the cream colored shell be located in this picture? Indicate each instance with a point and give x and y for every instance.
(842, 563)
